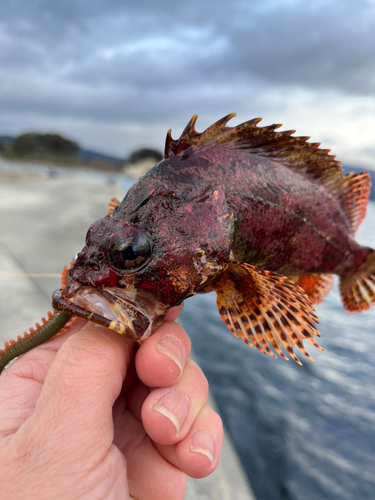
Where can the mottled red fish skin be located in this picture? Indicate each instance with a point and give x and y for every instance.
(283, 220)
(166, 288)
(182, 218)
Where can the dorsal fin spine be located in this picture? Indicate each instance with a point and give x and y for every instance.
(355, 193)
(168, 144)
(248, 138)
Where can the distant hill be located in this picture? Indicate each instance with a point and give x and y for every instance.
(145, 154)
(6, 139)
(43, 146)
(87, 155)
(54, 147)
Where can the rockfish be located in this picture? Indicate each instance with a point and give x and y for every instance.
(261, 217)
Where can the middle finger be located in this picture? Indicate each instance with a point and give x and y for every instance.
(168, 413)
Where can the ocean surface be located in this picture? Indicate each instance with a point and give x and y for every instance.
(302, 433)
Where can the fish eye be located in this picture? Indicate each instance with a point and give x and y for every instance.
(129, 251)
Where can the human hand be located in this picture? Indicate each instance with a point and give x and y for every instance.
(81, 417)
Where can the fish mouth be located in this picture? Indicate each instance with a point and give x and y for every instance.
(112, 307)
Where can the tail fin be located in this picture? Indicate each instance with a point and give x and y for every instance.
(358, 291)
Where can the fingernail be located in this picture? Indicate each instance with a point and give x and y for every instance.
(203, 442)
(171, 348)
(174, 406)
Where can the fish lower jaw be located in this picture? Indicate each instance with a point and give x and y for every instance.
(106, 309)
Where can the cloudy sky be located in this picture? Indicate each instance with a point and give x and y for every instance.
(116, 74)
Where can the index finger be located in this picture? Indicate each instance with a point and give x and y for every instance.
(160, 360)
(173, 313)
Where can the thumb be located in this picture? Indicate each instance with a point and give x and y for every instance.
(82, 384)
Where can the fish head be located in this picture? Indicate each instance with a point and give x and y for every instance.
(127, 277)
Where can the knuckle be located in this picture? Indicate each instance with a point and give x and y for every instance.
(195, 376)
(79, 350)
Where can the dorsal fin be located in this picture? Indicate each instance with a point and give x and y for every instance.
(356, 190)
(263, 141)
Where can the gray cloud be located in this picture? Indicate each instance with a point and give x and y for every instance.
(369, 151)
(314, 44)
(146, 61)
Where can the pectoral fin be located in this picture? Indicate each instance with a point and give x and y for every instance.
(316, 286)
(264, 308)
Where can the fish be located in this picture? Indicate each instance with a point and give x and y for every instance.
(259, 216)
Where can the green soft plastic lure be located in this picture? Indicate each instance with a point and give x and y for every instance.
(33, 338)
